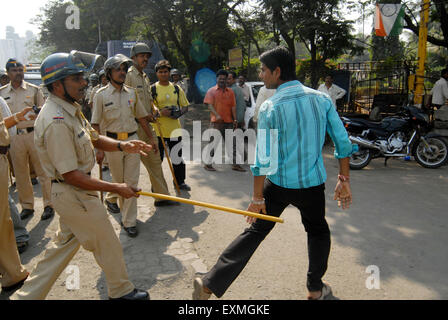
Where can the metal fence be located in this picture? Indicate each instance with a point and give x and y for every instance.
(372, 78)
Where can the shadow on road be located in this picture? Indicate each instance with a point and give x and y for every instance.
(146, 255)
(397, 222)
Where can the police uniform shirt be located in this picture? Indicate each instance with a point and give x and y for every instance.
(4, 136)
(115, 110)
(140, 82)
(92, 93)
(63, 139)
(27, 95)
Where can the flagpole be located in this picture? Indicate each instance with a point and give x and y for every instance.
(422, 39)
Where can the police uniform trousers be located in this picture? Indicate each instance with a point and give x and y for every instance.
(83, 221)
(153, 164)
(11, 270)
(22, 151)
(125, 168)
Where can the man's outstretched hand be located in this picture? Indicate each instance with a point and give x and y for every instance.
(136, 146)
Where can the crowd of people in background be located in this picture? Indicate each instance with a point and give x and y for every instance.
(117, 119)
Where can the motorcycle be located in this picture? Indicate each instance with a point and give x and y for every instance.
(405, 134)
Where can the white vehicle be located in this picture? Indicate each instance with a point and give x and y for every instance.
(250, 110)
(33, 78)
(36, 79)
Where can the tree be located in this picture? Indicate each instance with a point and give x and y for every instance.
(113, 15)
(316, 23)
(438, 14)
(195, 32)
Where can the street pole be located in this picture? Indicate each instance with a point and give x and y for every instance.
(422, 39)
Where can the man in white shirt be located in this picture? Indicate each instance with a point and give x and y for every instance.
(440, 90)
(334, 91)
(245, 88)
(263, 95)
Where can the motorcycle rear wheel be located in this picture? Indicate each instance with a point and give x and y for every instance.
(433, 157)
(360, 159)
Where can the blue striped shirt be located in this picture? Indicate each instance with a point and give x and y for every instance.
(291, 135)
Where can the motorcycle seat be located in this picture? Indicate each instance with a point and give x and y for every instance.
(369, 124)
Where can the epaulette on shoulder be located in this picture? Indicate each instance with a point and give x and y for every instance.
(101, 89)
(129, 87)
(32, 85)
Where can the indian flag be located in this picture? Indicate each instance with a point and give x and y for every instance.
(388, 19)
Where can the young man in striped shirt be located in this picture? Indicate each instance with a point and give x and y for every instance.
(288, 169)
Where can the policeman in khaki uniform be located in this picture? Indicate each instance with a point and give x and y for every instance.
(65, 142)
(19, 94)
(4, 79)
(115, 108)
(137, 78)
(12, 273)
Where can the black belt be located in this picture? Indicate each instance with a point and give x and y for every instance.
(115, 135)
(4, 149)
(28, 130)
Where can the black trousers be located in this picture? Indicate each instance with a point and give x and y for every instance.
(311, 203)
(179, 167)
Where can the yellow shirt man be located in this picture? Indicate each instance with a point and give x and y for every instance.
(167, 96)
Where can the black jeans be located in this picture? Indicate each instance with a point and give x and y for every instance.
(179, 168)
(311, 203)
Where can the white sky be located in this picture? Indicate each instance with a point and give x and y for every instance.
(18, 13)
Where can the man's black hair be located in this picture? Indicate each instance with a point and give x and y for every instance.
(282, 58)
(163, 64)
(444, 71)
(50, 87)
(233, 73)
(222, 72)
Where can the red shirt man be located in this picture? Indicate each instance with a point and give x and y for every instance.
(222, 104)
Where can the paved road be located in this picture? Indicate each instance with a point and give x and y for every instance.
(397, 222)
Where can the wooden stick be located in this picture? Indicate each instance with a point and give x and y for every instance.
(101, 178)
(167, 154)
(212, 206)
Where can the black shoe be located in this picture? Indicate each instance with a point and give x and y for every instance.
(22, 246)
(16, 286)
(48, 213)
(112, 207)
(184, 186)
(165, 203)
(26, 213)
(34, 181)
(105, 168)
(136, 294)
(131, 231)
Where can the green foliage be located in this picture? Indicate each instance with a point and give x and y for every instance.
(305, 67)
(318, 24)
